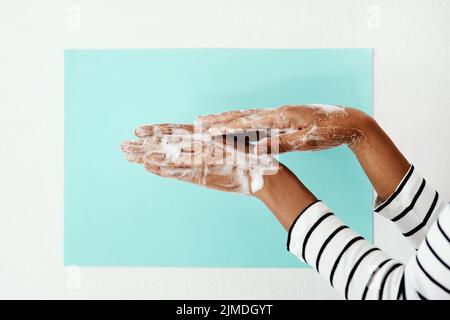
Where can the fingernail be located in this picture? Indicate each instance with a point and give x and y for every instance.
(124, 146)
(131, 157)
(139, 132)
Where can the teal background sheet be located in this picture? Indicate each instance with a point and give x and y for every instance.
(117, 214)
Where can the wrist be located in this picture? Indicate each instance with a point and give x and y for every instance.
(285, 196)
(362, 128)
(272, 183)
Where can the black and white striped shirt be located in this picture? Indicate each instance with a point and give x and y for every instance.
(359, 270)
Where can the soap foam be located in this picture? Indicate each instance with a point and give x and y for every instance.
(194, 157)
(327, 108)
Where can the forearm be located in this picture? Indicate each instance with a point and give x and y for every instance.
(340, 260)
(285, 196)
(381, 160)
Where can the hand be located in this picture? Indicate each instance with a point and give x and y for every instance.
(292, 128)
(317, 127)
(176, 151)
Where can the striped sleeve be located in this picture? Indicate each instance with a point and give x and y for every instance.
(352, 265)
(359, 270)
(428, 273)
(413, 206)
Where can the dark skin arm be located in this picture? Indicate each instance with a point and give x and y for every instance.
(283, 193)
(285, 196)
(380, 159)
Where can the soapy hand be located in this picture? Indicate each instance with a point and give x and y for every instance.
(176, 151)
(290, 128)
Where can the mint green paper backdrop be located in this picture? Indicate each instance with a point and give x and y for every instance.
(117, 214)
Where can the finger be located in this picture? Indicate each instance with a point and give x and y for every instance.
(152, 168)
(238, 126)
(126, 146)
(213, 119)
(144, 131)
(192, 147)
(183, 161)
(180, 173)
(133, 151)
(156, 157)
(186, 174)
(135, 148)
(262, 121)
(157, 141)
(165, 128)
(135, 157)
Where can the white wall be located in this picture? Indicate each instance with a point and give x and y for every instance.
(411, 99)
